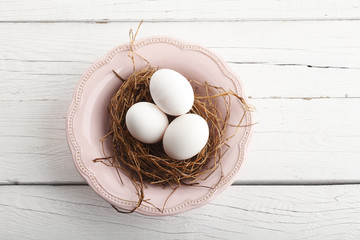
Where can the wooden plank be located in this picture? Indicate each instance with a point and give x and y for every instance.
(318, 44)
(241, 212)
(276, 56)
(59, 80)
(296, 141)
(210, 10)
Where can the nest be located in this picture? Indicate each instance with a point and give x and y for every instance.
(148, 163)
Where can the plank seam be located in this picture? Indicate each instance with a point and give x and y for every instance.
(105, 21)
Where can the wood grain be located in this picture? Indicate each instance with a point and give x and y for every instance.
(287, 59)
(241, 212)
(299, 62)
(296, 141)
(307, 43)
(210, 10)
(26, 80)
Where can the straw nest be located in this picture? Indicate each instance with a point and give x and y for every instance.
(147, 163)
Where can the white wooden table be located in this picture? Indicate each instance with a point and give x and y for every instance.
(299, 62)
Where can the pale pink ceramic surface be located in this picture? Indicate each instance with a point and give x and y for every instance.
(87, 122)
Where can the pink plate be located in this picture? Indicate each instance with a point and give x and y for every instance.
(87, 122)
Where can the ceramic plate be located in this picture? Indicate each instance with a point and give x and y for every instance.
(87, 122)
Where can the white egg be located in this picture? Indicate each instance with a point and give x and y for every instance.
(186, 136)
(146, 122)
(171, 92)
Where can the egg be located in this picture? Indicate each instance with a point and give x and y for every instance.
(171, 92)
(185, 136)
(146, 122)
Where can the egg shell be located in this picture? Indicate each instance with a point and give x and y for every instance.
(171, 92)
(146, 122)
(185, 136)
